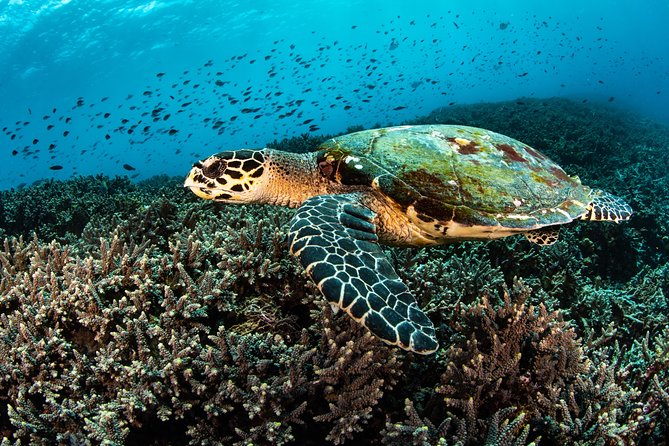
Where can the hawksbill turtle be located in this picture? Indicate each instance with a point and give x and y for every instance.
(407, 185)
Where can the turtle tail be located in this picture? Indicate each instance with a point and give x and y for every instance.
(607, 207)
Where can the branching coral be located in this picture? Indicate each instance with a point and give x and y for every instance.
(126, 342)
(61, 210)
(512, 354)
(506, 427)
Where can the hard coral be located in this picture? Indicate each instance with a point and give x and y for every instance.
(128, 343)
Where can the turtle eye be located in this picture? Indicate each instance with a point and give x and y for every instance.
(215, 169)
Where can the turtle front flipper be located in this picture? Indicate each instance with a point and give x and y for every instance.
(335, 239)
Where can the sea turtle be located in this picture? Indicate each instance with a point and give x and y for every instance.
(409, 185)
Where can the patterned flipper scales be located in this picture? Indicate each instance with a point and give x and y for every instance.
(607, 207)
(335, 239)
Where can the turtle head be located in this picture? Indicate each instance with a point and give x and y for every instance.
(230, 177)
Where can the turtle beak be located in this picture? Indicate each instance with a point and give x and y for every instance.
(196, 187)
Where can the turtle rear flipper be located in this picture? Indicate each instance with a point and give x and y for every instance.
(607, 207)
(544, 236)
(335, 239)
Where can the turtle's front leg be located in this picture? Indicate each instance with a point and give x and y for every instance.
(335, 239)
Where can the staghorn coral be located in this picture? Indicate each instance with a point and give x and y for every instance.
(520, 372)
(512, 355)
(353, 374)
(445, 276)
(61, 210)
(126, 342)
(506, 427)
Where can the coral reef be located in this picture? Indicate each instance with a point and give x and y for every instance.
(136, 314)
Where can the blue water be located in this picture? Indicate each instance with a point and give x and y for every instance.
(86, 87)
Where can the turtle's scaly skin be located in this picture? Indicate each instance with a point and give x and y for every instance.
(411, 185)
(335, 239)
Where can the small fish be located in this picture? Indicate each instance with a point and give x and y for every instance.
(56, 167)
(128, 167)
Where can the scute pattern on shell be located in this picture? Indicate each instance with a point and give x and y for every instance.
(475, 175)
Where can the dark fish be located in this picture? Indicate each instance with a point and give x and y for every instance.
(399, 107)
(128, 167)
(56, 167)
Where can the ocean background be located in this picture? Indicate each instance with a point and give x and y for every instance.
(134, 313)
(156, 85)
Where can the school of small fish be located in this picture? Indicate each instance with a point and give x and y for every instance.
(177, 111)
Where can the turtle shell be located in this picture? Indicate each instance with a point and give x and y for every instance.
(457, 173)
